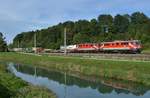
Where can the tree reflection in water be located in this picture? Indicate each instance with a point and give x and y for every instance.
(104, 86)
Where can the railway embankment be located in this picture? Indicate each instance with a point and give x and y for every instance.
(137, 71)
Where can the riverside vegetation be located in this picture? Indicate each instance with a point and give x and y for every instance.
(13, 87)
(119, 70)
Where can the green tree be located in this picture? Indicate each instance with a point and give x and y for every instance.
(94, 27)
(3, 45)
(81, 38)
(105, 23)
(121, 24)
(82, 26)
(139, 18)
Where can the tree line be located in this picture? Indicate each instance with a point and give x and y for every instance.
(105, 28)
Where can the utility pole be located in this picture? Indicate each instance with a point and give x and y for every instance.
(35, 43)
(65, 43)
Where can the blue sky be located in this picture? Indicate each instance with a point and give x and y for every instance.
(17, 16)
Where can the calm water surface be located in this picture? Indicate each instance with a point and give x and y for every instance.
(69, 86)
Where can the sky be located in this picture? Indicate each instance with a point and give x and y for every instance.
(18, 16)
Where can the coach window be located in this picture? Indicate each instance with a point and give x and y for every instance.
(106, 44)
(122, 43)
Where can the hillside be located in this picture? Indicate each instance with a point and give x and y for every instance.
(104, 28)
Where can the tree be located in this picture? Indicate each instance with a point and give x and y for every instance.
(105, 23)
(94, 27)
(139, 18)
(81, 38)
(121, 24)
(3, 45)
(82, 26)
(139, 25)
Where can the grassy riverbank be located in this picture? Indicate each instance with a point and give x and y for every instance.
(124, 70)
(13, 87)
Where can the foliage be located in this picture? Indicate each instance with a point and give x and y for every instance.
(34, 92)
(104, 28)
(3, 45)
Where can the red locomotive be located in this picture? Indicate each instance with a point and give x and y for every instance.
(132, 46)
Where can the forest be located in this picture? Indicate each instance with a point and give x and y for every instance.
(103, 28)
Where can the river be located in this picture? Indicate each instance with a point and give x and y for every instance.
(66, 85)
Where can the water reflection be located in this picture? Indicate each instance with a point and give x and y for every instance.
(70, 86)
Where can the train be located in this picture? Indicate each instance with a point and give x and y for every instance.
(130, 46)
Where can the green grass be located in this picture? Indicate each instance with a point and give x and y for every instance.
(34, 92)
(146, 51)
(13, 87)
(124, 70)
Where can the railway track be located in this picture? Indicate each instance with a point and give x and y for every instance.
(139, 57)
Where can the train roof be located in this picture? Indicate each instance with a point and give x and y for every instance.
(88, 43)
(122, 41)
(112, 42)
